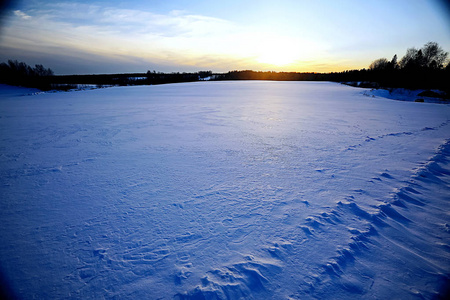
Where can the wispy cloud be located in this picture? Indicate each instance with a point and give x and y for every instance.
(177, 38)
(21, 15)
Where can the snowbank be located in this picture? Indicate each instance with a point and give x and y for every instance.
(409, 95)
(8, 91)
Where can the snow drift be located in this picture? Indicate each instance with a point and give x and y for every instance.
(224, 190)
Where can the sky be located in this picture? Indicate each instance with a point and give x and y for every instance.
(115, 36)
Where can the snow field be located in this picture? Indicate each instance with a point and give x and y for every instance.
(223, 190)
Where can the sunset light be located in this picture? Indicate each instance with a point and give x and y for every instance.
(228, 150)
(278, 53)
(302, 36)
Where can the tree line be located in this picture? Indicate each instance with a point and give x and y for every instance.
(19, 73)
(430, 57)
(424, 68)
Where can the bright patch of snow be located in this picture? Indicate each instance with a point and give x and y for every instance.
(224, 190)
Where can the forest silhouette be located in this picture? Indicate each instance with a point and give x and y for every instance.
(424, 68)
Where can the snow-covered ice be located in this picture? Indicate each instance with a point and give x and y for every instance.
(223, 190)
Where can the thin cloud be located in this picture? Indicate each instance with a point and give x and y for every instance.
(177, 38)
(112, 31)
(22, 15)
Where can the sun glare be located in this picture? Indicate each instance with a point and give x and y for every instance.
(280, 52)
(276, 57)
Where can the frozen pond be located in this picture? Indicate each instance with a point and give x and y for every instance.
(216, 190)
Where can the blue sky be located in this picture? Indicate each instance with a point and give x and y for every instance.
(84, 37)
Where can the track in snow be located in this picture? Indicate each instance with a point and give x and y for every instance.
(223, 190)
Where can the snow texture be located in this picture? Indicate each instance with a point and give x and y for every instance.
(223, 190)
(407, 95)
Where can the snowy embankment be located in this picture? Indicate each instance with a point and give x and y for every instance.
(224, 190)
(428, 96)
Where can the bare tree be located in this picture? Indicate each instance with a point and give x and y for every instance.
(409, 58)
(379, 64)
(431, 55)
(393, 63)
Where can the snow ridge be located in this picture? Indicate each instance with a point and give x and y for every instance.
(397, 222)
(223, 190)
(396, 134)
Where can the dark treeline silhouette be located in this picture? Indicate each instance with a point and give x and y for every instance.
(424, 68)
(19, 73)
(419, 69)
(279, 76)
(127, 79)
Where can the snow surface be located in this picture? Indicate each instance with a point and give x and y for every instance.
(8, 91)
(224, 190)
(406, 95)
